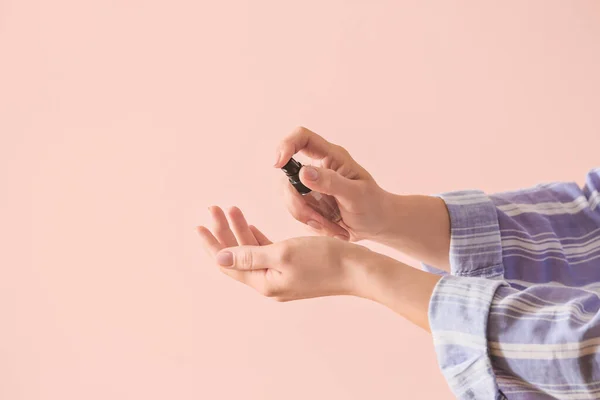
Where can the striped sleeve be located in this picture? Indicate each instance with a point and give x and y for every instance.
(531, 330)
(460, 303)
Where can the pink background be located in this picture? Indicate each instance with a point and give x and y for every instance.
(121, 121)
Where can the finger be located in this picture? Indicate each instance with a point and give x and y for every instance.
(254, 266)
(210, 243)
(240, 228)
(212, 246)
(260, 237)
(302, 212)
(221, 228)
(247, 258)
(330, 182)
(304, 141)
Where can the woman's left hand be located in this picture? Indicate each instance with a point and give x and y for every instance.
(297, 268)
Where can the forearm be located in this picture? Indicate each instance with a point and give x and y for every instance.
(418, 226)
(403, 289)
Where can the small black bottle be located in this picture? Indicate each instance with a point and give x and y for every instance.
(322, 203)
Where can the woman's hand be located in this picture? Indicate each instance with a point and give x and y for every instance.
(315, 266)
(364, 205)
(419, 226)
(293, 269)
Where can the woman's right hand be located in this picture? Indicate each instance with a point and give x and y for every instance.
(418, 226)
(364, 205)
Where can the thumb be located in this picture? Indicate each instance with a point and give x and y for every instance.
(244, 258)
(329, 182)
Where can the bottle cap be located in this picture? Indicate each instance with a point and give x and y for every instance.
(292, 170)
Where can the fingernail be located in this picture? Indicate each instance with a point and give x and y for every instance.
(341, 237)
(313, 224)
(225, 259)
(311, 173)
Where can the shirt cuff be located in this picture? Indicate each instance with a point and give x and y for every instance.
(460, 303)
(475, 244)
(458, 315)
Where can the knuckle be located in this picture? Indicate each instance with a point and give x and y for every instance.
(245, 260)
(362, 188)
(299, 130)
(342, 150)
(300, 134)
(285, 254)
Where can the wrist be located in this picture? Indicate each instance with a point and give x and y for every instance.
(368, 271)
(373, 272)
(356, 261)
(418, 226)
(395, 211)
(398, 286)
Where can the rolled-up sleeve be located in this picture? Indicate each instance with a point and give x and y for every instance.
(475, 246)
(519, 315)
(460, 304)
